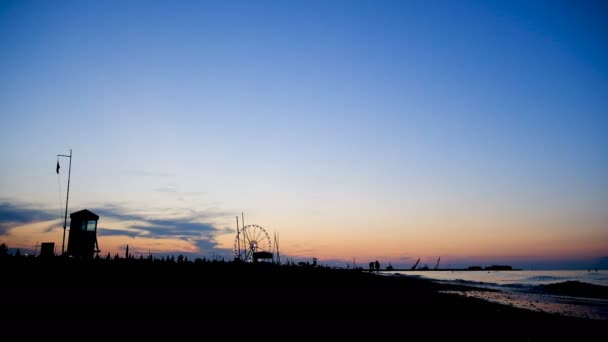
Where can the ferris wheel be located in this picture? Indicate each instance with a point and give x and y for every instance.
(250, 241)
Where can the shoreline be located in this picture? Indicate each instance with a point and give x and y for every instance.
(564, 297)
(446, 270)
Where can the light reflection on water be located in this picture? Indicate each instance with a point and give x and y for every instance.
(521, 289)
(515, 277)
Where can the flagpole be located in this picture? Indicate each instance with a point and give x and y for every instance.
(67, 197)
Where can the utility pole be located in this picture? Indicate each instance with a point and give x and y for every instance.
(245, 237)
(65, 217)
(238, 238)
(276, 247)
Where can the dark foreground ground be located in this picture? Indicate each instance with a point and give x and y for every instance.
(225, 300)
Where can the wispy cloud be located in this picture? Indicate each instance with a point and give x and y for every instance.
(168, 189)
(14, 215)
(174, 190)
(191, 226)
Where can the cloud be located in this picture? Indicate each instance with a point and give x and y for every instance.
(12, 215)
(188, 225)
(173, 189)
(169, 189)
(116, 212)
(176, 227)
(118, 232)
(124, 213)
(193, 228)
(183, 224)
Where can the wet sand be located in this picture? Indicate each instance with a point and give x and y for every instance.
(564, 305)
(227, 300)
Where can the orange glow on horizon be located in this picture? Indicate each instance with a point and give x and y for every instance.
(389, 244)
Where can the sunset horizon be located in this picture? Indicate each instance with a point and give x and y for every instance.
(474, 132)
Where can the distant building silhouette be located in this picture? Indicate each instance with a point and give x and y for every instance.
(47, 249)
(82, 241)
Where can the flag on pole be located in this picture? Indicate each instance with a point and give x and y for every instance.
(58, 167)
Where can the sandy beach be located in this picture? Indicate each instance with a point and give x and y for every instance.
(119, 298)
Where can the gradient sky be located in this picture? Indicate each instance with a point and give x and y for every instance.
(472, 130)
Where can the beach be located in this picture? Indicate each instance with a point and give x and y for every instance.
(132, 298)
(297, 170)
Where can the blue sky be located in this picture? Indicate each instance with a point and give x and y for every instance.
(467, 129)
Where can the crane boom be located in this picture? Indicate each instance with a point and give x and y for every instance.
(416, 264)
(437, 265)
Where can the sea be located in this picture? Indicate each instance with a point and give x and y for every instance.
(523, 289)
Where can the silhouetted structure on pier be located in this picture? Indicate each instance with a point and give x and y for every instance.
(262, 256)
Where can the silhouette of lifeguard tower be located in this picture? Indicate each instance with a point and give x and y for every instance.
(82, 241)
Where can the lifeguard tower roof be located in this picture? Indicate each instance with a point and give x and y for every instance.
(84, 214)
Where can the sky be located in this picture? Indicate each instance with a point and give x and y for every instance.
(474, 131)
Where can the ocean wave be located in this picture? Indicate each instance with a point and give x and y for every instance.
(470, 282)
(510, 288)
(577, 289)
(543, 278)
